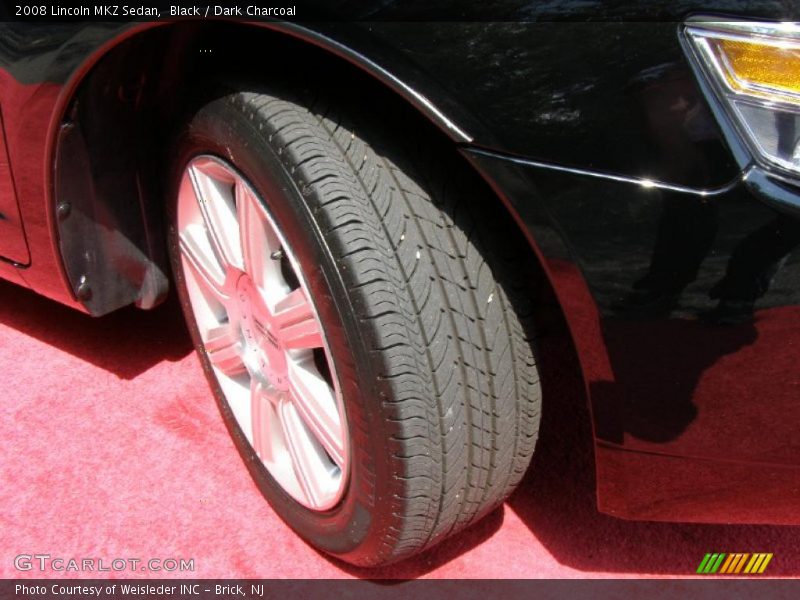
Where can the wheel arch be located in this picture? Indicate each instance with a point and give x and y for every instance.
(116, 108)
(117, 111)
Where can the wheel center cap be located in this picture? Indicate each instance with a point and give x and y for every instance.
(264, 352)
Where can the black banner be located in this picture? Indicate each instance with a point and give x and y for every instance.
(287, 589)
(383, 10)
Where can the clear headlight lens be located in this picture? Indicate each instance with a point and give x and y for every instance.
(755, 68)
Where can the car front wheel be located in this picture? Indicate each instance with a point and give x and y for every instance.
(360, 314)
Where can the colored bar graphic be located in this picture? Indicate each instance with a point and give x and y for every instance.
(703, 563)
(710, 563)
(764, 564)
(754, 563)
(727, 564)
(735, 563)
(718, 563)
(730, 565)
(742, 560)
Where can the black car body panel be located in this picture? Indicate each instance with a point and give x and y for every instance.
(600, 140)
(693, 420)
(13, 248)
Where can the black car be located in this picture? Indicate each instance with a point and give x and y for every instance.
(363, 212)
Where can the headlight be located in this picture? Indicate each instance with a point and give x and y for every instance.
(754, 69)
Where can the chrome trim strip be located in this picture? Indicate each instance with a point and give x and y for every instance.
(644, 183)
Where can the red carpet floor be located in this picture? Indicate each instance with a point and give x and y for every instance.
(112, 447)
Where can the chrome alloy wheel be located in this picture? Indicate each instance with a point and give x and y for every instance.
(261, 333)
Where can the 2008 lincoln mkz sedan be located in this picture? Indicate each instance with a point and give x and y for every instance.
(361, 219)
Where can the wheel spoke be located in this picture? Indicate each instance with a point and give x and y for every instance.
(262, 414)
(316, 404)
(217, 207)
(306, 462)
(299, 327)
(225, 350)
(258, 241)
(201, 259)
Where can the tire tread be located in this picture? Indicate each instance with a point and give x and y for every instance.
(444, 307)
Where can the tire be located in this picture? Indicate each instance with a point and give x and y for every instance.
(424, 297)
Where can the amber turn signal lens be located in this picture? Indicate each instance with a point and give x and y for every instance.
(763, 65)
(754, 68)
